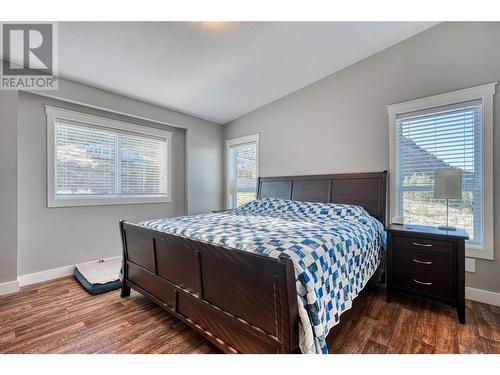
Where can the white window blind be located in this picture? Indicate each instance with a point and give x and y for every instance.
(109, 164)
(241, 170)
(441, 138)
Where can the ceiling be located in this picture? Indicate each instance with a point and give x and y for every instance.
(217, 70)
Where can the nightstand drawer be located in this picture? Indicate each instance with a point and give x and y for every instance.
(424, 262)
(424, 245)
(425, 283)
(427, 261)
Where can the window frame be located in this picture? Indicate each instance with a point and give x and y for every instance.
(54, 113)
(235, 142)
(485, 94)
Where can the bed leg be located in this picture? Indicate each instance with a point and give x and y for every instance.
(125, 292)
(382, 277)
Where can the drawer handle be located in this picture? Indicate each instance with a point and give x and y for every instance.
(422, 244)
(422, 261)
(421, 282)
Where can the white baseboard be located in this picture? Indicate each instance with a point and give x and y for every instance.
(38, 277)
(474, 294)
(55, 273)
(485, 296)
(9, 287)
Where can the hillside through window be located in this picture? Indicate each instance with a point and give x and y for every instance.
(441, 138)
(93, 160)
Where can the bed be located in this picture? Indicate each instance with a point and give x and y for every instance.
(273, 276)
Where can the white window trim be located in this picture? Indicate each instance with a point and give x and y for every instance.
(54, 113)
(239, 141)
(485, 93)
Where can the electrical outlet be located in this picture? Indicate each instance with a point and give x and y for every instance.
(470, 265)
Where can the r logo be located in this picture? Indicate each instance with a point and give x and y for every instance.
(27, 49)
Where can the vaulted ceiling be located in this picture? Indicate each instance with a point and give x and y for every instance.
(217, 70)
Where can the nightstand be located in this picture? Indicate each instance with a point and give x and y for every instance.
(427, 261)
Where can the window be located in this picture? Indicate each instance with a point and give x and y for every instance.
(445, 132)
(443, 138)
(242, 170)
(93, 160)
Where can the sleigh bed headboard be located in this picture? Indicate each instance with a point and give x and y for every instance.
(367, 190)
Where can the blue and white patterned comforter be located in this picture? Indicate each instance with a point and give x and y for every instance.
(335, 249)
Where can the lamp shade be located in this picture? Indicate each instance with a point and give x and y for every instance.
(448, 184)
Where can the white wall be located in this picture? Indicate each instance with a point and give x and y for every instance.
(8, 185)
(53, 237)
(340, 124)
(203, 139)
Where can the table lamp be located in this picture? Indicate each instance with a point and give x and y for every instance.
(448, 185)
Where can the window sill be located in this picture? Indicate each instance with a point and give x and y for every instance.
(106, 201)
(478, 252)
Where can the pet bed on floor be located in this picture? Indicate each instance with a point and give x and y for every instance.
(99, 277)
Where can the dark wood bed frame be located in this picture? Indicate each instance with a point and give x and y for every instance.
(239, 301)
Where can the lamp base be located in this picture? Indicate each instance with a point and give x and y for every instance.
(444, 227)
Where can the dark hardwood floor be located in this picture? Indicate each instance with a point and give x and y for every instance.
(61, 317)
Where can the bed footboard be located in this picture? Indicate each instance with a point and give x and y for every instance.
(241, 302)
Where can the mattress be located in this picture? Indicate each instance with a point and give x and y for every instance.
(335, 249)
